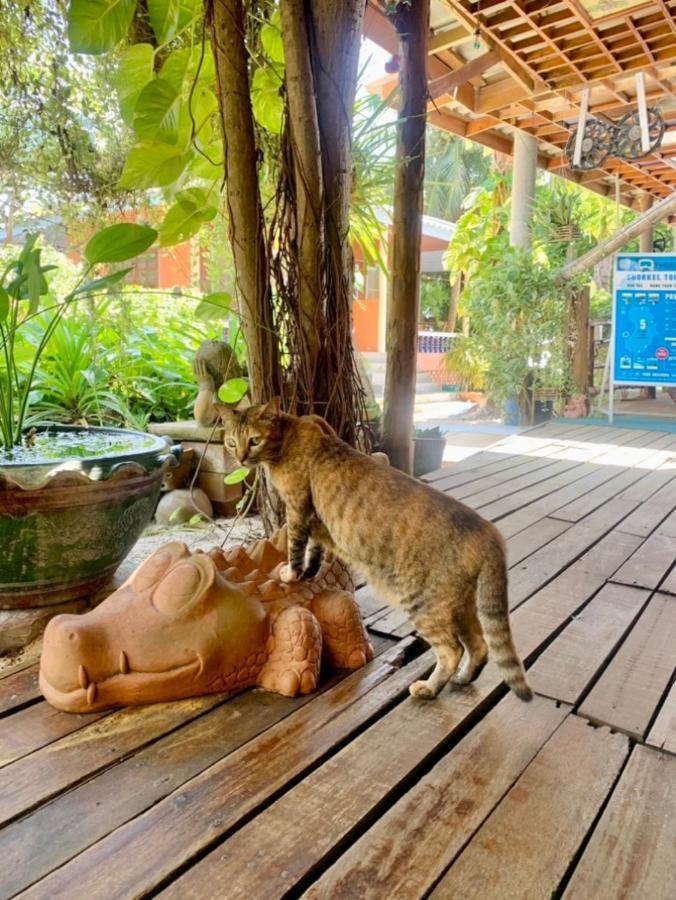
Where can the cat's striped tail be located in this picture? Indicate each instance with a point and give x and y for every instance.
(493, 609)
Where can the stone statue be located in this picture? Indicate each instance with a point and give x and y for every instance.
(214, 362)
(179, 503)
(186, 624)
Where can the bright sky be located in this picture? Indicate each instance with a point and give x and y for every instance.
(372, 59)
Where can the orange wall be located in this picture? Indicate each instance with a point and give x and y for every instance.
(174, 267)
(365, 323)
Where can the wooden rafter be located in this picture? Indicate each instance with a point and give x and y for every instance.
(547, 55)
(452, 80)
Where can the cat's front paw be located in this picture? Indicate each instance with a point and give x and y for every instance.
(422, 690)
(287, 574)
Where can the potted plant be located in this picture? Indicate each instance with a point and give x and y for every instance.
(428, 446)
(73, 499)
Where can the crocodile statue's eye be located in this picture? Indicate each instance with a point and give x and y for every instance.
(151, 571)
(184, 586)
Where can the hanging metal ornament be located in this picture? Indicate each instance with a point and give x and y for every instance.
(597, 145)
(628, 134)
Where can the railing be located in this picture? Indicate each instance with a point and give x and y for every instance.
(435, 341)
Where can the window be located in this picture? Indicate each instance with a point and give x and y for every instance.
(372, 282)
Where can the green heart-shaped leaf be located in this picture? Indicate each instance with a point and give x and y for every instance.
(119, 242)
(236, 476)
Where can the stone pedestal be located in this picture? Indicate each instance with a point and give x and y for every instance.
(213, 461)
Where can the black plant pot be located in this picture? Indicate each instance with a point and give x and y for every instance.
(428, 455)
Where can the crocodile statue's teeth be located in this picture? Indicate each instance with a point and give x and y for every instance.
(83, 677)
(91, 693)
(124, 663)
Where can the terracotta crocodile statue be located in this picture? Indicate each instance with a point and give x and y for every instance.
(186, 624)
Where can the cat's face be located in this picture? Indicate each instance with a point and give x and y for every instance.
(252, 436)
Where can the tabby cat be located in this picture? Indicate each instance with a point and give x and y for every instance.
(421, 549)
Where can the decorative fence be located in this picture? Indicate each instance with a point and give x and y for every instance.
(435, 341)
(432, 349)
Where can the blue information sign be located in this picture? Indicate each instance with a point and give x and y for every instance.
(644, 319)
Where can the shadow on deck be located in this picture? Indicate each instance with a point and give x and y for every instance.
(362, 792)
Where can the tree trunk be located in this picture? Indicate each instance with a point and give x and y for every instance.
(578, 341)
(412, 24)
(335, 37)
(308, 182)
(456, 290)
(244, 205)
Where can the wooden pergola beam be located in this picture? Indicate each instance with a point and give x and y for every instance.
(659, 211)
(453, 80)
(445, 40)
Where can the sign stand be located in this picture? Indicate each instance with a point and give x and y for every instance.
(643, 339)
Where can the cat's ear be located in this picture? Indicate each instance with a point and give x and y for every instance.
(226, 414)
(270, 410)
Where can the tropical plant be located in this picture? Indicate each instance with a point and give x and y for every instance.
(465, 360)
(428, 434)
(453, 168)
(25, 297)
(62, 143)
(517, 314)
(280, 96)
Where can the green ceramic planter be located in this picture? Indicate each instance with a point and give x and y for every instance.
(66, 525)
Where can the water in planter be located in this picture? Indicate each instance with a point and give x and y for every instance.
(50, 446)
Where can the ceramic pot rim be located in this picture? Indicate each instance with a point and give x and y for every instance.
(32, 476)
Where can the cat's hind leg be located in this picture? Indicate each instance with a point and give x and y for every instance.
(470, 634)
(436, 630)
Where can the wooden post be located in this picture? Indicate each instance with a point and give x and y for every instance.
(579, 341)
(412, 24)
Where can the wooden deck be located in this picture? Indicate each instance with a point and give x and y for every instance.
(361, 791)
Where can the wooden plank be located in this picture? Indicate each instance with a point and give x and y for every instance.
(628, 692)
(527, 576)
(632, 852)
(369, 601)
(537, 495)
(533, 474)
(555, 605)
(19, 689)
(526, 846)
(653, 509)
(407, 849)
(638, 468)
(551, 501)
(145, 851)
(395, 624)
(446, 83)
(351, 784)
(574, 482)
(663, 733)
(529, 540)
(650, 563)
(668, 586)
(36, 726)
(57, 831)
(35, 778)
(499, 464)
(653, 483)
(568, 665)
